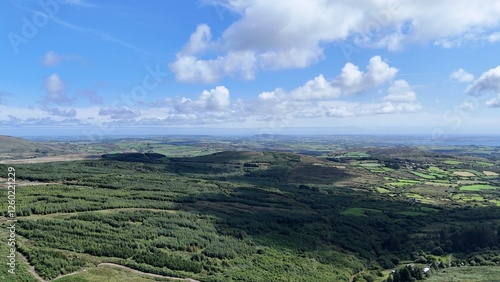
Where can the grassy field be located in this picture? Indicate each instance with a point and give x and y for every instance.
(467, 274)
(464, 173)
(423, 175)
(478, 187)
(111, 274)
(490, 173)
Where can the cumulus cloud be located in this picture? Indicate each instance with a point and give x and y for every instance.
(217, 99)
(353, 81)
(56, 90)
(191, 69)
(350, 81)
(488, 82)
(210, 107)
(317, 97)
(401, 91)
(53, 59)
(318, 88)
(272, 35)
(462, 76)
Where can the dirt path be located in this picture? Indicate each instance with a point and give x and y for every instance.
(31, 268)
(61, 158)
(72, 273)
(356, 274)
(145, 273)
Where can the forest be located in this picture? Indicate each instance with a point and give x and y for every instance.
(390, 214)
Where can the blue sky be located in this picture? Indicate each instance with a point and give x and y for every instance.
(98, 68)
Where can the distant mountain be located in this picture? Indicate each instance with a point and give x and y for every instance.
(13, 146)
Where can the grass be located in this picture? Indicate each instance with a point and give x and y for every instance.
(478, 187)
(403, 182)
(437, 170)
(104, 273)
(383, 190)
(490, 173)
(398, 184)
(464, 173)
(423, 175)
(468, 197)
(451, 162)
(485, 163)
(467, 274)
(444, 184)
(357, 154)
(427, 209)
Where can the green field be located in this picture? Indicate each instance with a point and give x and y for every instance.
(478, 187)
(467, 274)
(383, 190)
(108, 273)
(423, 175)
(357, 154)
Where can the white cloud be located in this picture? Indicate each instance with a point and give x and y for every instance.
(350, 81)
(317, 95)
(53, 59)
(488, 82)
(198, 41)
(217, 99)
(494, 37)
(191, 69)
(318, 88)
(353, 81)
(494, 103)
(56, 90)
(273, 35)
(339, 108)
(400, 92)
(462, 76)
(468, 106)
(210, 107)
